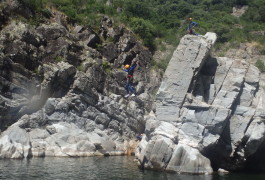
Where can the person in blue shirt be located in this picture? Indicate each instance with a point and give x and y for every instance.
(191, 25)
(130, 70)
(139, 137)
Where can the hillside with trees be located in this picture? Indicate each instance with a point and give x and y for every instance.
(164, 19)
(62, 82)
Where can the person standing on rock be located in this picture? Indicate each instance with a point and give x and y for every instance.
(191, 25)
(130, 70)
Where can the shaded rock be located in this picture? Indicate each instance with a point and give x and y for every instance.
(110, 52)
(92, 41)
(17, 7)
(239, 10)
(189, 160)
(157, 153)
(20, 42)
(18, 90)
(108, 31)
(15, 143)
(52, 31)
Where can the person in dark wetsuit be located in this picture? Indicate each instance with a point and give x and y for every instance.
(139, 137)
(191, 25)
(130, 70)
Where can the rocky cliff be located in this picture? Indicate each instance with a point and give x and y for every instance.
(62, 86)
(209, 114)
(62, 94)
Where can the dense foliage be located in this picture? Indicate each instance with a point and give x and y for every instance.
(167, 19)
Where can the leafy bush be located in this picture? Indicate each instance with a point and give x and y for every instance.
(260, 65)
(145, 30)
(34, 4)
(59, 59)
(165, 19)
(137, 8)
(106, 66)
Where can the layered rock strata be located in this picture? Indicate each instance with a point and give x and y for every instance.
(209, 113)
(62, 88)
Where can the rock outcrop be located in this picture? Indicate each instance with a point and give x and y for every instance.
(239, 10)
(62, 88)
(209, 113)
(62, 94)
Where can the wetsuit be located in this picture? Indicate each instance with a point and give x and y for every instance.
(129, 88)
(190, 26)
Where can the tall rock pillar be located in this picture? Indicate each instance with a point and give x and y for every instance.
(182, 69)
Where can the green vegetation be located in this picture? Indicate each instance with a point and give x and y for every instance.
(106, 66)
(144, 29)
(59, 59)
(156, 21)
(260, 65)
(166, 19)
(80, 68)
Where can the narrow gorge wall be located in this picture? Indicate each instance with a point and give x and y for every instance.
(209, 113)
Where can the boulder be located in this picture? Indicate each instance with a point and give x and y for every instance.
(186, 159)
(52, 31)
(15, 143)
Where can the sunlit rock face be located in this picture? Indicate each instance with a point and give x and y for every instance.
(62, 87)
(209, 113)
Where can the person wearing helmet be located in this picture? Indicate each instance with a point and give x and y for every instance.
(191, 25)
(130, 70)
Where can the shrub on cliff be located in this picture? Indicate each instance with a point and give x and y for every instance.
(260, 65)
(166, 19)
(144, 29)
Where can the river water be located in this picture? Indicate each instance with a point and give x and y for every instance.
(97, 168)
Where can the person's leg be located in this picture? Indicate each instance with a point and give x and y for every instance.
(194, 33)
(127, 88)
(132, 90)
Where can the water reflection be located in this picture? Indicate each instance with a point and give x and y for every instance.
(97, 168)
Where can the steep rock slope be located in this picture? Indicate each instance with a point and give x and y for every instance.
(62, 87)
(209, 113)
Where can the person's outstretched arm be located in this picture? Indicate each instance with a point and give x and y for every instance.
(194, 24)
(133, 66)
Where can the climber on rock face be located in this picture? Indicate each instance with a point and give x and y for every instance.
(130, 70)
(191, 25)
(139, 137)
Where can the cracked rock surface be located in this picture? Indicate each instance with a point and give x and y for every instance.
(209, 113)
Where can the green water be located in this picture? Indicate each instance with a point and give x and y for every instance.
(97, 168)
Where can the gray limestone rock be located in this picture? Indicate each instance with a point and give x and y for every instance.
(57, 75)
(186, 159)
(52, 31)
(62, 95)
(157, 153)
(15, 143)
(213, 111)
(190, 55)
